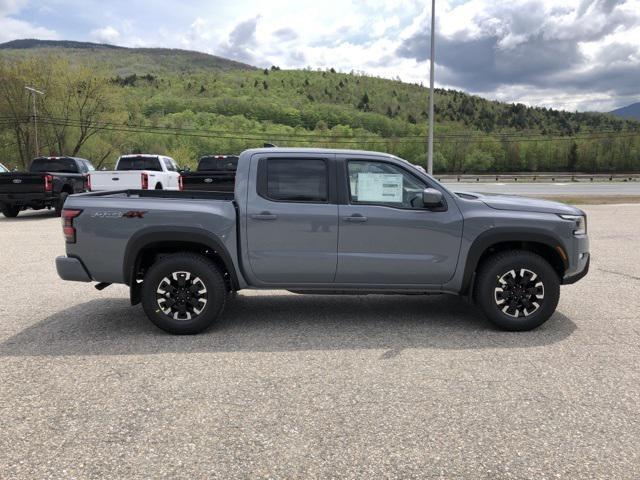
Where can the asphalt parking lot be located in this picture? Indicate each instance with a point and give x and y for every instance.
(313, 386)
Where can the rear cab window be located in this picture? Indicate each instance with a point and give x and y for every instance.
(57, 164)
(294, 180)
(218, 163)
(139, 163)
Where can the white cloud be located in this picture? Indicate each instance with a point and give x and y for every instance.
(11, 29)
(106, 34)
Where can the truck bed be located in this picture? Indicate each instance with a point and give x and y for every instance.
(168, 194)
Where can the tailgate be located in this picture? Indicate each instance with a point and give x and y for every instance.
(214, 181)
(115, 181)
(21, 183)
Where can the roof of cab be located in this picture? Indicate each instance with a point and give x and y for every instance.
(332, 151)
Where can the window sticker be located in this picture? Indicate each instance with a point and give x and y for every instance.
(380, 187)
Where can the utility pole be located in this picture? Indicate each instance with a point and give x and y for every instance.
(432, 61)
(33, 93)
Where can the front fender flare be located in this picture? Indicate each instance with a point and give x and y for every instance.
(497, 235)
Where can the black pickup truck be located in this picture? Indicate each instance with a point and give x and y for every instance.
(47, 184)
(215, 173)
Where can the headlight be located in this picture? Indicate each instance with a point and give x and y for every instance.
(580, 221)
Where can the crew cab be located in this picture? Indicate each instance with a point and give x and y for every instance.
(325, 221)
(215, 173)
(47, 184)
(144, 172)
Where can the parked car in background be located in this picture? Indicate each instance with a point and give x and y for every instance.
(138, 172)
(3, 169)
(215, 173)
(47, 184)
(325, 221)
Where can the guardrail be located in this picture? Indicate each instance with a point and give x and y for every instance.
(540, 177)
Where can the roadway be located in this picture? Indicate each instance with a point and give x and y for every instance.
(556, 188)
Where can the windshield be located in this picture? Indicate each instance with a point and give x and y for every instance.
(218, 163)
(139, 163)
(3, 169)
(62, 165)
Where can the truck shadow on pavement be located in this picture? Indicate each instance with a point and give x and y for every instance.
(261, 323)
(28, 216)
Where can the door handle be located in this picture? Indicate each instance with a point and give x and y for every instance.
(264, 216)
(356, 218)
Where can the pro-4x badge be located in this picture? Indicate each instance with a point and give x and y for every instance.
(129, 214)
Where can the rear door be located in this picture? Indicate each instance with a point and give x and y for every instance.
(386, 237)
(292, 219)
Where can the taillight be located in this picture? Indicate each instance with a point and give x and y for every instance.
(144, 180)
(68, 229)
(89, 181)
(180, 183)
(48, 183)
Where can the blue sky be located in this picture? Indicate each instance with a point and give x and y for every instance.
(582, 54)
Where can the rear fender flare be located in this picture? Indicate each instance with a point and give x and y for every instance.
(149, 236)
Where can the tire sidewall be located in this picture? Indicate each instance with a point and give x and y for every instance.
(197, 266)
(60, 203)
(500, 264)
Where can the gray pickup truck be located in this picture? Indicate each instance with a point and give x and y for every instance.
(324, 221)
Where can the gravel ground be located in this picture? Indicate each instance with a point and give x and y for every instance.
(315, 386)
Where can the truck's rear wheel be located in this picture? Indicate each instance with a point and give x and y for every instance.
(9, 211)
(183, 293)
(517, 290)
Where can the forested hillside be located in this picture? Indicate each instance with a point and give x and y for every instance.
(103, 101)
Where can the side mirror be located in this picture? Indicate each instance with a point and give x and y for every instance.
(431, 198)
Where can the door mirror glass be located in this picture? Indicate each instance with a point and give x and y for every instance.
(431, 198)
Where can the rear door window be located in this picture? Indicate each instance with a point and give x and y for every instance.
(294, 180)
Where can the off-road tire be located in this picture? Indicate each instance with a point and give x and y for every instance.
(507, 295)
(161, 299)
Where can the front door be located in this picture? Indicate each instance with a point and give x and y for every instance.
(292, 220)
(386, 236)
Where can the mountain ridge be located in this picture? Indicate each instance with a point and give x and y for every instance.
(631, 111)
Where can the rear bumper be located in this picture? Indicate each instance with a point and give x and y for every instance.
(72, 269)
(27, 199)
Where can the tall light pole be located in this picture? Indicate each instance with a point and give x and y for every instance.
(432, 62)
(33, 93)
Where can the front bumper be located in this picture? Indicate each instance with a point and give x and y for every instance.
(72, 269)
(573, 278)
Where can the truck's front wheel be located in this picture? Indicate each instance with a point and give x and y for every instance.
(183, 293)
(517, 290)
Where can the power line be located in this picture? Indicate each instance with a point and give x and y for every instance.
(329, 139)
(319, 138)
(463, 134)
